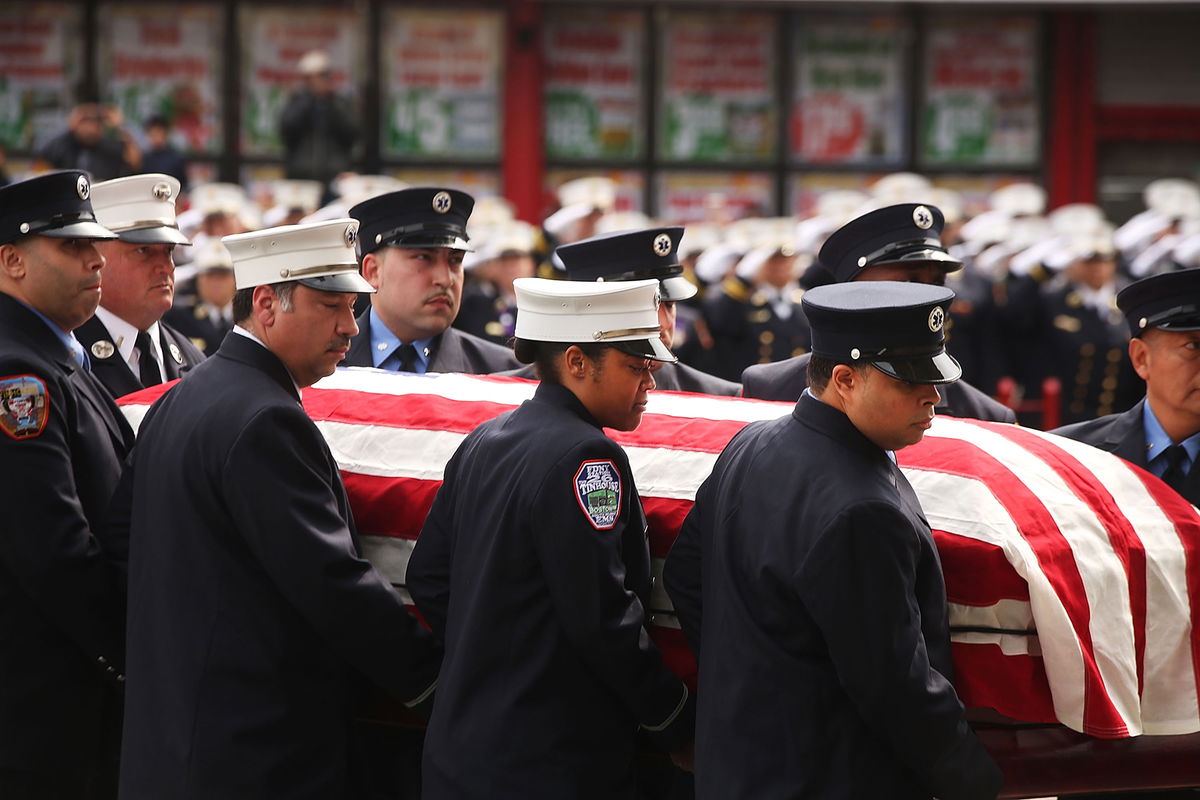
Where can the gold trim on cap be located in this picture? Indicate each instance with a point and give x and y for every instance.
(297, 273)
(603, 335)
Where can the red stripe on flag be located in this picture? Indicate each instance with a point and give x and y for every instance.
(1053, 552)
(394, 507)
(426, 412)
(977, 573)
(1015, 685)
(680, 433)
(664, 517)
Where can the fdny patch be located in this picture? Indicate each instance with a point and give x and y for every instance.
(24, 406)
(598, 490)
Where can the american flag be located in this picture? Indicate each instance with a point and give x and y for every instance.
(1072, 576)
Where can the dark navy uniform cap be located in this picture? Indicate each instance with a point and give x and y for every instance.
(422, 217)
(57, 204)
(631, 256)
(901, 234)
(1170, 301)
(897, 327)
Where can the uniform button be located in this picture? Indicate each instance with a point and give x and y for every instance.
(1114, 355)
(650, 619)
(653, 580)
(1088, 349)
(766, 337)
(109, 670)
(1109, 383)
(121, 678)
(101, 660)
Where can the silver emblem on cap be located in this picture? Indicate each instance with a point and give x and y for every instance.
(862, 261)
(855, 353)
(923, 218)
(175, 354)
(662, 244)
(162, 191)
(351, 235)
(1142, 322)
(441, 202)
(24, 227)
(937, 318)
(83, 188)
(103, 349)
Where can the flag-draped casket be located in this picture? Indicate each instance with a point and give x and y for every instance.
(1072, 576)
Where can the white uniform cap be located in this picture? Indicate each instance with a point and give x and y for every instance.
(697, 238)
(354, 189)
(987, 228)
(1076, 218)
(949, 202)
(139, 209)
(716, 261)
(559, 223)
(218, 198)
(1187, 251)
(902, 187)
(620, 313)
(593, 191)
(840, 206)
(1019, 199)
(297, 195)
(211, 255)
(1095, 243)
(1174, 198)
(320, 255)
(615, 221)
(513, 236)
(490, 211)
(314, 62)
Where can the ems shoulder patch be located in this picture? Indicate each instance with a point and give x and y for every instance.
(24, 406)
(598, 490)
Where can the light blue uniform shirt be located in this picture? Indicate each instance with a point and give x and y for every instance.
(69, 340)
(1157, 442)
(384, 345)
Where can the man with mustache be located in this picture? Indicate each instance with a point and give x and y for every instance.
(807, 581)
(129, 344)
(254, 618)
(412, 248)
(62, 441)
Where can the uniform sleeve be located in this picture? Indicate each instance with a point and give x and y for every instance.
(859, 584)
(279, 487)
(577, 533)
(428, 573)
(47, 544)
(682, 574)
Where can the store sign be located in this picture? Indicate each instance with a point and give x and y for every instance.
(275, 40)
(442, 83)
(981, 92)
(40, 63)
(593, 87)
(849, 99)
(717, 101)
(689, 197)
(159, 61)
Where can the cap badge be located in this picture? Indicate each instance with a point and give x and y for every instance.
(162, 191)
(441, 202)
(175, 354)
(937, 318)
(662, 244)
(103, 349)
(855, 353)
(923, 218)
(83, 188)
(351, 235)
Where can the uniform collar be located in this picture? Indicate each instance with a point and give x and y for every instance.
(384, 343)
(835, 424)
(124, 338)
(68, 340)
(562, 397)
(1157, 440)
(240, 331)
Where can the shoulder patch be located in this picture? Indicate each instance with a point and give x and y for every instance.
(598, 490)
(24, 406)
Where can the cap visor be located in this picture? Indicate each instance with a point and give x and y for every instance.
(675, 289)
(80, 230)
(946, 261)
(425, 240)
(941, 368)
(341, 282)
(160, 235)
(652, 349)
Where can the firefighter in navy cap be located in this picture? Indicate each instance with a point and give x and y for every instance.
(63, 442)
(533, 566)
(130, 346)
(1161, 432)
(807, 582)
(412, 247)
(254, 617)
(639, 255)
(896, 243)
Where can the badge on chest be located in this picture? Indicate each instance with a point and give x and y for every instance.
(598, 490)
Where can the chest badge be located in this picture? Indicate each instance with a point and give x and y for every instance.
(103, 349)
(598, 491)
(175, 354)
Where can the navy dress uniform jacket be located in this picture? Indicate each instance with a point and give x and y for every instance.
(253, 616)
(786, 380)
(201, 328)
(115, 373)
(61, 587)
(453, 351)
(667, 378)
(549, 670)
(820, 624)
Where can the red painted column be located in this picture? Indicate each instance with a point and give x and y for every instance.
(1071, 138)
(523, 161)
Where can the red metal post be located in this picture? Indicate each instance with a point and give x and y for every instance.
(522, 162)
(1071, 139)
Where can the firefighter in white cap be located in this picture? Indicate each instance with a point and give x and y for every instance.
(131, 347)
(533, 565)
(254, 616)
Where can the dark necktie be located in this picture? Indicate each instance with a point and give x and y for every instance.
(147, 366)
(407, 355)
(1175, 476)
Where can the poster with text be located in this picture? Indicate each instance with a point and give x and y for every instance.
(981, 92)
(41, 59)
(849, 104)
(594, 83)
(165, 61)
(630, 185)
(719, 197)
(717, 87)
(442, 83)
(274, 40)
